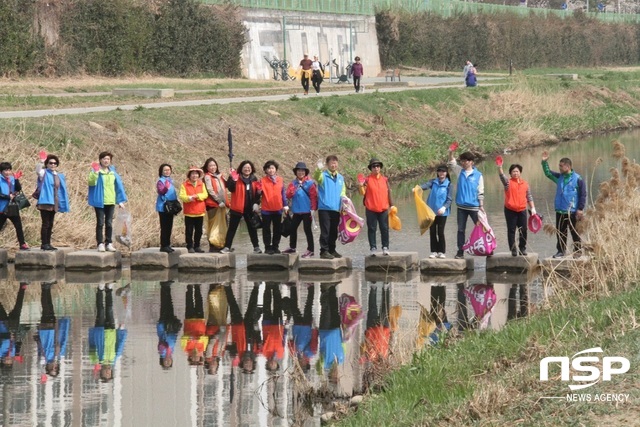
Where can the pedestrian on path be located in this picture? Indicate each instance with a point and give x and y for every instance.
(357, 71)
(317, 73)
(305, 72)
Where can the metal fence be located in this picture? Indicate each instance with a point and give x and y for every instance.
(441, 7)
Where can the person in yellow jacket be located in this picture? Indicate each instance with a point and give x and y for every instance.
(193, 193)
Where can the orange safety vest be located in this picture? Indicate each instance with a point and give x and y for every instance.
(376, 196)
(237, 197)
(272, 194)
(196, 207)
(515, 197)
(214, 183)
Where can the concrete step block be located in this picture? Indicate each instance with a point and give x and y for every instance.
(152, 258)
(91, 259)
(445, 277)
(206, 261)
(324, 265)
(395, 261)
(565, 264)
(155, 275)
(271, 262)
(280, 276)
(92, 277)
(39, 259)
(391, 276)
(4, 257)
(39, 275)
(206, 277)
(446, 264)
(504, 261)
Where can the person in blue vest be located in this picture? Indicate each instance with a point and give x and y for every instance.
(106, 190)
(439, 201)
(53, 197)
(166, 190)
(168, 326)
(9, 187)
(470, 193)
(106, 343)
(331, 189)
(570, 200)
(53, 333)
(12, 332)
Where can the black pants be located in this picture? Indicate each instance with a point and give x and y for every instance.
(234, 221)
(461, 303)
(375, 317)
(316, 80)
(564, 221)
(516, 221)
(17, 224)
(356, 83)
(438, 297)
(48, 315)
(463, 215)
(512, 305)
(193, 303)
(304, 78)
(166, 225)
(329, 310)
(329, 221)
(104, 315)
(193, 230)
(305, 219)
(436, 232)
(252, 334)
(373, 220)
(300, 318)
(46, 229)
(167, 315)
(267, 221)
(104, 218)
(272, 315)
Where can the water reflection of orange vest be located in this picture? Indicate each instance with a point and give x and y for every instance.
(376, 343)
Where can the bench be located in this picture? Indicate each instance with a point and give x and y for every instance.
(392, 74)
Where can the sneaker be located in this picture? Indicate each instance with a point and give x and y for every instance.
(433, 255)
(191, 251)
(110, 285)
(276, 251)
(441, 255)
(289, 251)
(101, 247)
(459, 255)
(171, 249)
(523, 252)
(268, 251)
(372, 251)
(514, 252)
(165, 249)
(559, 254)
(326, 255)
(307, 254)
(101, 286)
(336, 254)
(385, 251)
(110, 247)
(225, 251)
(24, 247)
(257, 250)
(199, 250)
(48, 248)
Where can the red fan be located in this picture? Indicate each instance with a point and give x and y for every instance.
(361, 178)
(499, 160)
(453, 146)
(95, 166)
(42, 155)
(17, 175)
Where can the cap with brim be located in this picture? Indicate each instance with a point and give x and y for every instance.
(374, 162)
(303, 166)
(195, 169)
(441, 168)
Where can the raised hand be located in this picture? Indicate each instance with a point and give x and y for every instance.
(42, 155)
(453, 146)
(545, 155)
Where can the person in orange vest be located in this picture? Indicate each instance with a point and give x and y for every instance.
(274, 203)
(375, 347)
(217, 189)
(517, 195)
(193, 193)
(377, 200)
(194, 339)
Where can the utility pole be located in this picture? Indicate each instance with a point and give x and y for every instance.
(284, 37)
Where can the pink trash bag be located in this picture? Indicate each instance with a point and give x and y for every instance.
(483, 298)
(350, 223)
(350, 315)
(482, 241)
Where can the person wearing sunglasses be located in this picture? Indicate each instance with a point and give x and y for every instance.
(52, 197)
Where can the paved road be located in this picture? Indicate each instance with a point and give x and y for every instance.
(420, 82)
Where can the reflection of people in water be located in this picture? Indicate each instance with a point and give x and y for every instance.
(330, 333)
(11, 332)
(53, 334)
(106, 343)
(304, 337)
(378, 333)
(512, 306)
(273, 333)
(433, 322)
(167, 327)
(461, 308)
(194, 336)
(245, 336)
(216, 327)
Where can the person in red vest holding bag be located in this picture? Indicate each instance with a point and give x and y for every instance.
(517, 195)
(193, 193)
(274, 202)
(377, 200)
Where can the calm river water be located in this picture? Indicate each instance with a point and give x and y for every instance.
(143, 392)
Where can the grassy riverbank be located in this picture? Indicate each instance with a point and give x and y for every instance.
(409, 131)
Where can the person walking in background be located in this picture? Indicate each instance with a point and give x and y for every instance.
(193, 194)
(570, 201)
(245, 201)
(357, 71)
(106, 190)
(439, 201)
(53, 197)
(377, 200)
(217, 189)
(9, 188)
(331, 189)
(305, 72)
(303, 195)
(517, 195)
(167, 327)
(469, 195)
(274, 203)
(317, 70)
(166, 190)
(53, 333)
(468, 69)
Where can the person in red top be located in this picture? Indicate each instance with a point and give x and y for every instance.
(193, 194)
(377, 200)
(305, 72)
(217, 189)
(245, 201)
(273, 334)
(274, 202)
(517, 196)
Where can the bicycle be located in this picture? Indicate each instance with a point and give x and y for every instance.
(284, 66)
(275, 65)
